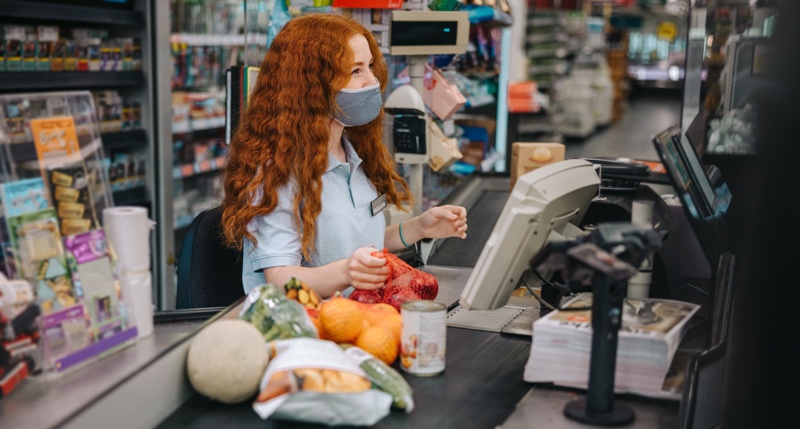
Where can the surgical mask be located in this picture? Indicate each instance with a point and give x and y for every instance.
(359, 106)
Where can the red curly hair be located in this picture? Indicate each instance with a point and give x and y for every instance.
(285, 129)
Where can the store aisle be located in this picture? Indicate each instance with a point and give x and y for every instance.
(649, 111)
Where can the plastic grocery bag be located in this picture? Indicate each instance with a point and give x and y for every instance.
(275, 315)
(312, 380)
(405, 283)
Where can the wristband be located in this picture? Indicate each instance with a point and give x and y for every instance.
(401, 235)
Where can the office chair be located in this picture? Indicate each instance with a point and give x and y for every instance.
(209, 273)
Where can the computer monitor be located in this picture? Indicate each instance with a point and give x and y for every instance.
(428, 32)
(546, 204)
(705, 205)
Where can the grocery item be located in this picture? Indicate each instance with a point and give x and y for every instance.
(276, 316)
(383, 376)
(379, 342)
(299, 291)
(342, 320)
(226, 359)
(312, 380)
(423, 338)
(405, 283)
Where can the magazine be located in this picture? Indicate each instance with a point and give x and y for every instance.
(93, 276)
(39, 253)
(651, 332)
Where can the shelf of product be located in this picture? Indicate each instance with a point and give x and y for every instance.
(206, 166)
(207, 39)
(45, 81)
(52, 55)
(112, 140)
(19, 9)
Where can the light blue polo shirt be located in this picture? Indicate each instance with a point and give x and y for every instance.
(344, 224)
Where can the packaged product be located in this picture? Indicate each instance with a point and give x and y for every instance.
(276, 316)
(312, 380)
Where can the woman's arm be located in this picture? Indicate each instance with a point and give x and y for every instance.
(438, 222)
(361, 270)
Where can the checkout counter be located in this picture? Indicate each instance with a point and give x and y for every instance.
(145, 385)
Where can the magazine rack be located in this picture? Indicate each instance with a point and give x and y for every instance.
(53, 187)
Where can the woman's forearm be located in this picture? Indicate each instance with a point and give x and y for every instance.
(411, 234)
(325, 280)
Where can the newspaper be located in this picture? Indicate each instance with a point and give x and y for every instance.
(651, 332)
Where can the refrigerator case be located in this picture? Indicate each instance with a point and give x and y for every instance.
(206, 37)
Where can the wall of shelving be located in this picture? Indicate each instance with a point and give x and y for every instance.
(127, 137)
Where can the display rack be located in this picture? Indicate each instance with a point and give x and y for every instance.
(53, 236)
(137, 85)
(17, 10)
(49, 81)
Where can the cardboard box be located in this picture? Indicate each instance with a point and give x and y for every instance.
(526, 157)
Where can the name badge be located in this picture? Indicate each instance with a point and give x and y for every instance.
(378, 204)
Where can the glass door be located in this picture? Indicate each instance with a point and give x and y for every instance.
(196, 42)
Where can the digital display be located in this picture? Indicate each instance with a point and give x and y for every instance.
(424, 33)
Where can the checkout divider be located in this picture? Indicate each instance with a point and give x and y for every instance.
(145, 385)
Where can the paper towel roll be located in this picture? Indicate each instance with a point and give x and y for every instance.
(138, 292)
(128, 231)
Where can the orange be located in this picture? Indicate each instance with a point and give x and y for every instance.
(393, 323)
(342, 320)
(376, 312)
(378, 342)
(317, 325)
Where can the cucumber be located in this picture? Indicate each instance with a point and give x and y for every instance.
(383, 376)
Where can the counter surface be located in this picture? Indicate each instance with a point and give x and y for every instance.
(145, 385)
(49, 399)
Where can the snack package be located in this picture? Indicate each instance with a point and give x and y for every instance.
(312, 380)
(276, 316)
(405, 283)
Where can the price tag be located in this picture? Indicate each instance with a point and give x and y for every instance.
(187, 170)
(205, 166)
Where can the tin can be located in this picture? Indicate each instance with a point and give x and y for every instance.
(424, 337)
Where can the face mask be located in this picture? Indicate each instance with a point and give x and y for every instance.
(359, 106)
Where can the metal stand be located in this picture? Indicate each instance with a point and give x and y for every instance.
(416, 72)
(605, 259)
(599, 407)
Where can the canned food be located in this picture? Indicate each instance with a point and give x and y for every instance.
(423, 338)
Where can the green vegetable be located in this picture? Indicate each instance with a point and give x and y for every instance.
(276, 317)
(383, 376)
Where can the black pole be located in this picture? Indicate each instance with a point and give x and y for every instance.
(598, 407)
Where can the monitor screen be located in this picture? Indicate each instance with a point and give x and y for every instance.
(704, 204)
(546, 204)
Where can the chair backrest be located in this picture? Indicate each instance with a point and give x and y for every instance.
(209, 273)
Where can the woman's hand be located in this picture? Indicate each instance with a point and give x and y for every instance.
(443, 222)
(367, 271)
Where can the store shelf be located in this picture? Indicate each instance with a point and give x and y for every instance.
(45, 81)
(545, 37)
(124, 139)
(16, 10)
(202, 167)
(198, 125)
(23, 152)
(131, 196)
(210, 39)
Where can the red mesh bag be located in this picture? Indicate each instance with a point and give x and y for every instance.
(367, 296)
(405, 283)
